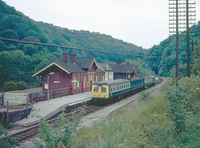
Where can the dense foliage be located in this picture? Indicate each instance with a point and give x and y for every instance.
(61, 134)
(19, 61)
(6, 141)
(166, 50)
(169, 119)
(196, 59)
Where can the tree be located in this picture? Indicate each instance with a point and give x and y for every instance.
(30, 49)
(9, 22)
(196, 58)
(8, 33)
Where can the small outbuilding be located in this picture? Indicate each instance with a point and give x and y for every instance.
(109, 74)
(124, 71)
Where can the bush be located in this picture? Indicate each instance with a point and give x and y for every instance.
(63, 134)
(21, 85)
(5, 140)
(8, 86)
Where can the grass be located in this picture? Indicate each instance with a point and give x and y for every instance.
(26, 90)
(128, 127)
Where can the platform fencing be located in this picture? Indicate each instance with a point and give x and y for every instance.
(1, 98)
(36, 97)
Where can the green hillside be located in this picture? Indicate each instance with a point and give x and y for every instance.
(165, 65)
(19, 61)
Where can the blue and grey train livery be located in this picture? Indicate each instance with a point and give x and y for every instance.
(104, 92)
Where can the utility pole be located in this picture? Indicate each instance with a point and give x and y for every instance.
(182, 15)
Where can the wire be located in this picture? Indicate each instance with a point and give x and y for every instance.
(68, 47)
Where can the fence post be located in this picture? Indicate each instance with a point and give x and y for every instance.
(2, 103)
(27, 107)
(37, 97)
(7, 112)
(54, 93)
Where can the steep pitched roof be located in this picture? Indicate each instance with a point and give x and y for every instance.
(99, 70)
(73, 67)
(105, 67)
(84, 63)
(66, 67)
(123, 68)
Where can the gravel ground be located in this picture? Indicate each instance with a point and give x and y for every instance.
(103, 113)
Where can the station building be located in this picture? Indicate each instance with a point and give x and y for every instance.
(77, 74)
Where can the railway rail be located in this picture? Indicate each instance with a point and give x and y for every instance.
(30, 132)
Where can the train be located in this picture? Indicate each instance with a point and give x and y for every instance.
(105, 92)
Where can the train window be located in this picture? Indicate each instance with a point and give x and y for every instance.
(95, 89)
(103, 89)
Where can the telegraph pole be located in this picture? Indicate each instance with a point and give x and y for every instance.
(182, 15)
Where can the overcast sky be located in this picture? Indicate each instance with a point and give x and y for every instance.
(141, 22)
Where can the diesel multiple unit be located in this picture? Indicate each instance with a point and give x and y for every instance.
(108, 91)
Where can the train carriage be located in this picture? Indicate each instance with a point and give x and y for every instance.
(101, 91)
(105, 92)
(149, 81)
(137, 82)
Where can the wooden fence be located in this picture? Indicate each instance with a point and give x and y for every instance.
(1, 98)
(43, 95)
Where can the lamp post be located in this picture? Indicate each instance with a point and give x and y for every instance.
(48, 75)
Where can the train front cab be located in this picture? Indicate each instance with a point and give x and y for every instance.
(100, 93)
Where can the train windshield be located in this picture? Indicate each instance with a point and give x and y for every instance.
(103, 89)
(95, 89)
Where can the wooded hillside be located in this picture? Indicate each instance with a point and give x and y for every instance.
(165, 66)
(19, 61)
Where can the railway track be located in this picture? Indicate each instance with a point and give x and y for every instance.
(30, 132)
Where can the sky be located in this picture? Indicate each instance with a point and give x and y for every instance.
(142, 22)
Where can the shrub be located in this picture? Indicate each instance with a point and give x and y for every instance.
(10, 86)
(5, 140)
(21, 85)
(178, 101)
(62, 135)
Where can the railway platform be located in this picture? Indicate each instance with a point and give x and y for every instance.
(47, 109)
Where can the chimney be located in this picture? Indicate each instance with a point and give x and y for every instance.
(118, 64)
(73, 57)
(65, 56)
